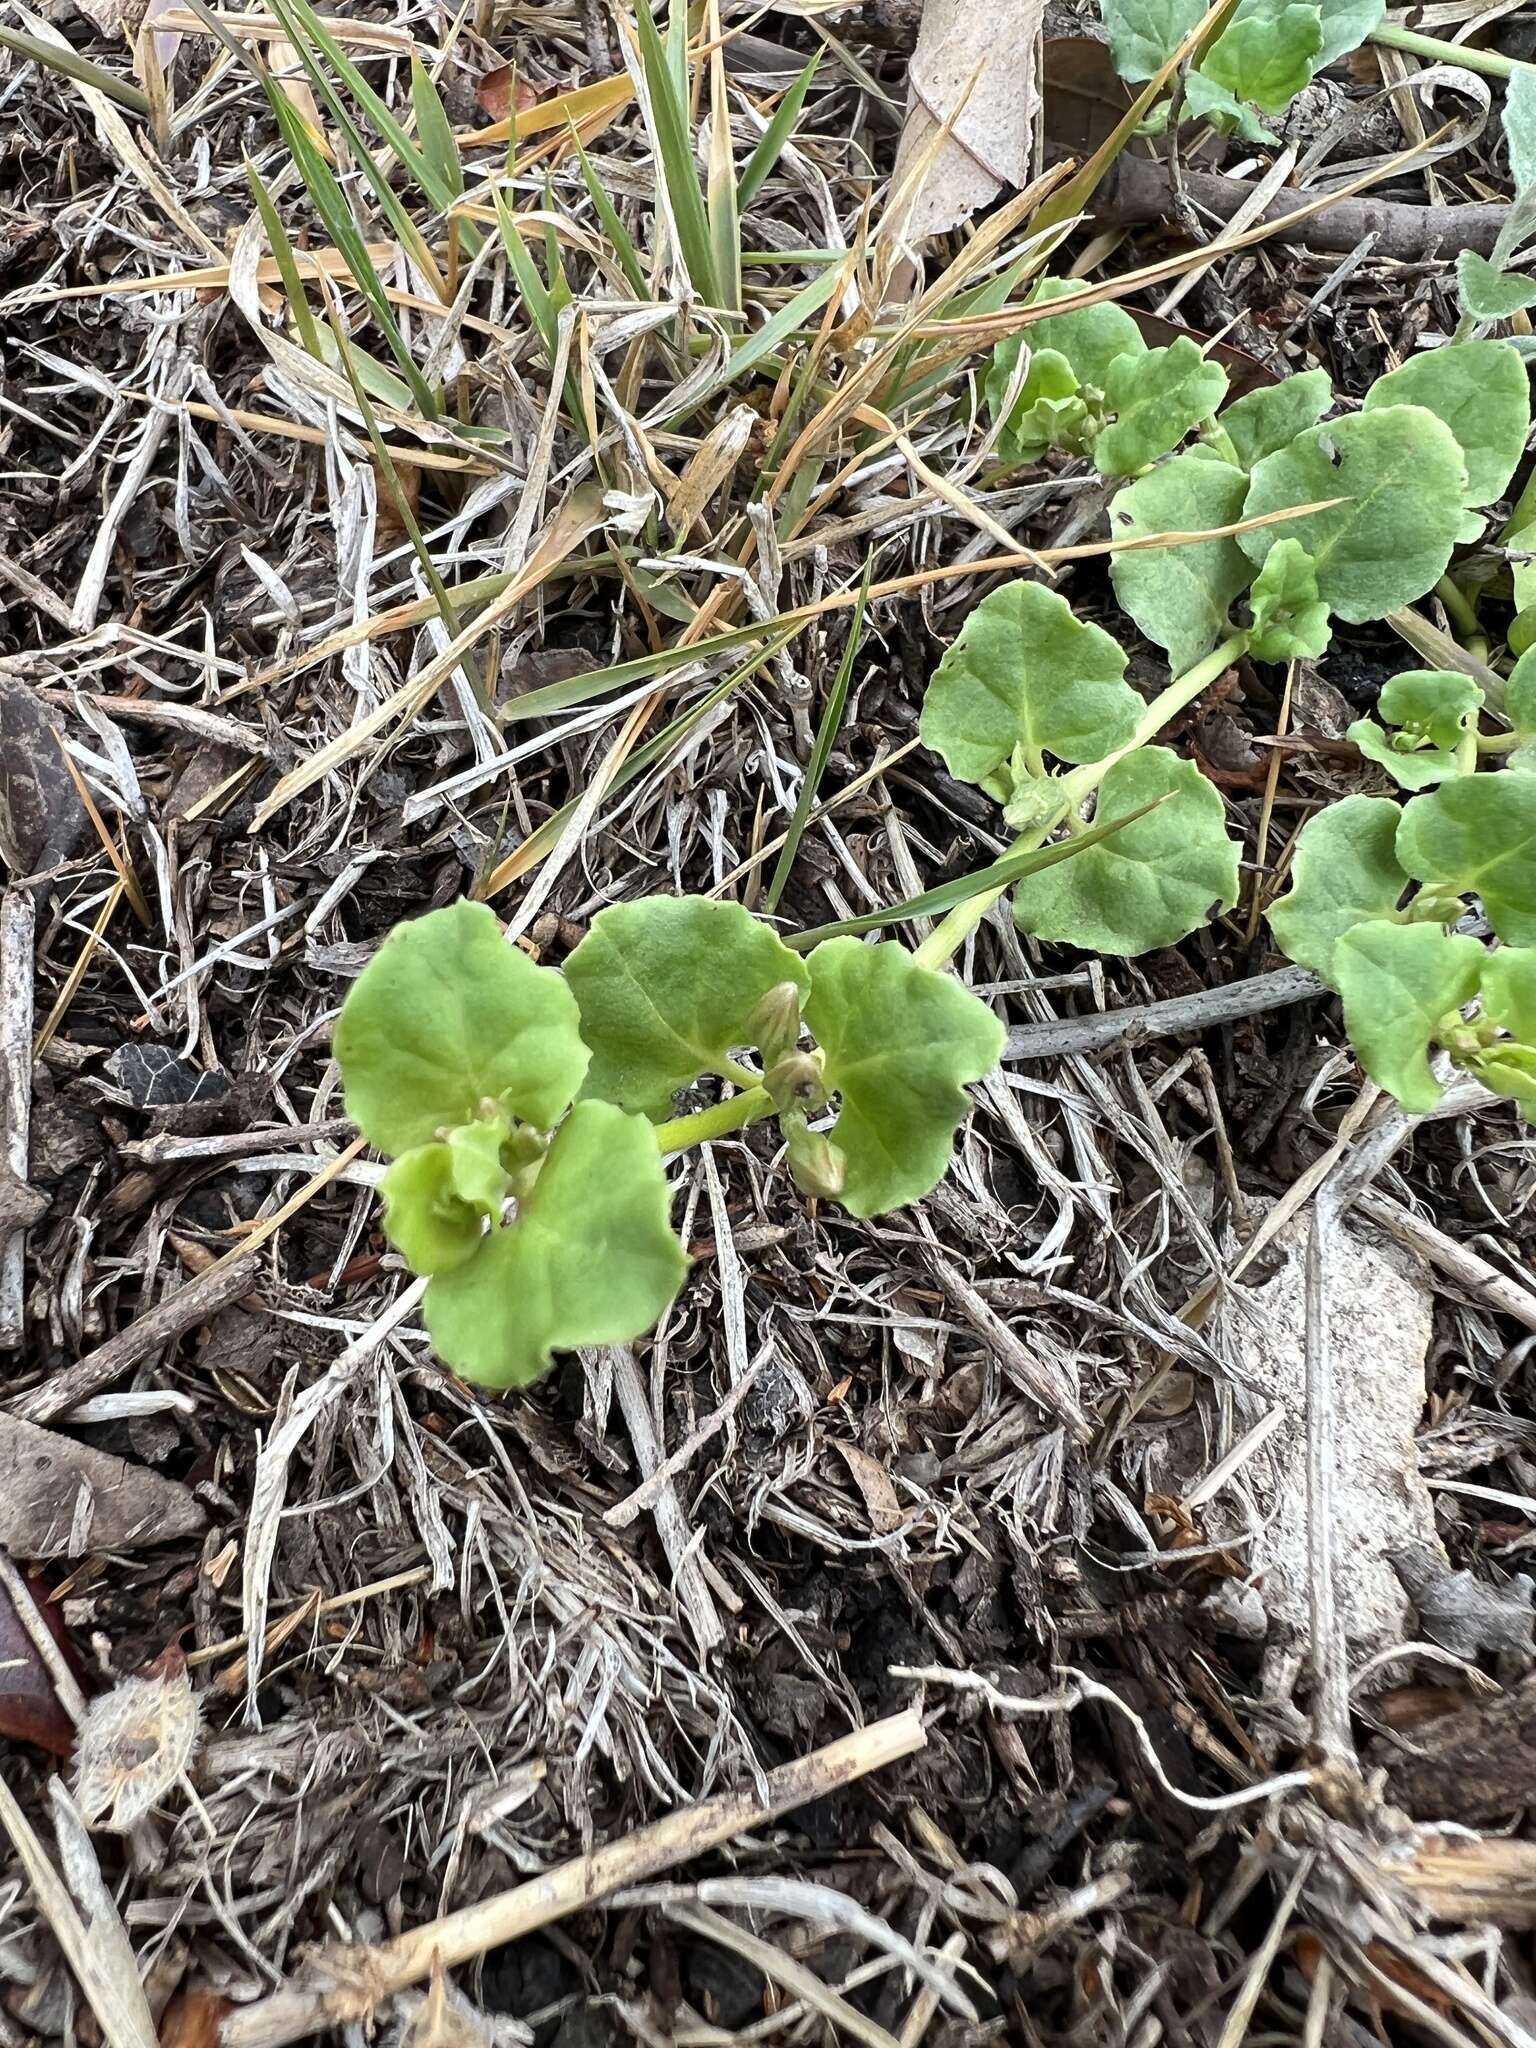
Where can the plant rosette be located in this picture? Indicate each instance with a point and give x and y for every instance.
(527, 1111)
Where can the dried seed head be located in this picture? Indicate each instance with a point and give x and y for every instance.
(133, 1745)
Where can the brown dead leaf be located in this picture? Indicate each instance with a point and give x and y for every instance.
(61, 1497)
(192, 2020)
(1084, 95)
(974, 68)
(29, 1702)
(42, 819)
(875, 1485)
(496, 90)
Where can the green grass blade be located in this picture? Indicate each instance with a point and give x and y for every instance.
(560, 293)
(656, 749)
(621, 240)
(434, 130)
(299, 13)
(722, 203)
(287, 265)
(390, 477)
(773, 333)
(816, 767)
(406, 230)
(342, 229)
(771, 144)
(541, 310)
(674, 153)
(70, 64)
(1002, 874)
(583, 689)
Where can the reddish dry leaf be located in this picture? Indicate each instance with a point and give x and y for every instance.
(494, 92)
(29, 1705)
(192, 2020)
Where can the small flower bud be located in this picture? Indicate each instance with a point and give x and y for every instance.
(816, 1165)
(774, 1025)
(795, 1082)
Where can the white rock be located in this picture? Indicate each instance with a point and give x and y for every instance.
(1380, 1310)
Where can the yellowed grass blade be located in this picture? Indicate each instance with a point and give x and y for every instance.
(607, 95)
(581, 514)
(363, 35)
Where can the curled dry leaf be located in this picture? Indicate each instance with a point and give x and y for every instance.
(973, 67)
(135, 1742)
(505, 88)
(30, 1709)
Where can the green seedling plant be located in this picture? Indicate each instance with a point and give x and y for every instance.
(1381, 890)
(527, 1111)
(1395, 487)
(1266, 53)
(1490, 290)
(1031, 704)
(1422, 915)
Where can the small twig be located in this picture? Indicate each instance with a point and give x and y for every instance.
(18, 915)
(1178, 1014)
(1138, 189)
(1021, 1365)
(623, 1512)
(349, 1983)
(671, 1523)
(1507, 1297)
(169, 1319)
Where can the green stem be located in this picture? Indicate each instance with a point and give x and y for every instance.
(951, 932)
(1215, 435)
(1459, 606)
(1489, 62)
(718, 1121)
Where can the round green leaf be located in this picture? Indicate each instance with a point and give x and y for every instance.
(1345, 872)
(1400, 984)
(1480, 390)
(1273, 416)
(1143, 34)
(1156, 398)
(1026, 673)
(1205, 100)
(1508, 1070)
(666, 988)
(1520, 706)
(1047, 412)
(1091, 338)
(1509, 991)
(900, 1044)
(1148, 885)
(1290, 620)
(1477, 836)
(425, 1221)
(1489, 292)
(1403, 483)
(446, 1016)
(1433, 710)
(590, 1259)
(1180, 596)
(474, 1153)
(1267, 58)
(1346, 24)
